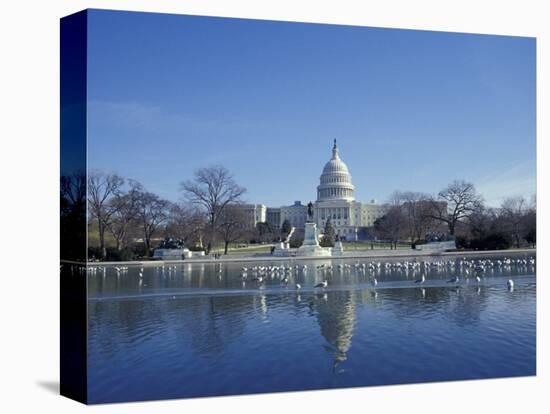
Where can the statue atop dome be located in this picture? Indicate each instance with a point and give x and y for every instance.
(335, 153)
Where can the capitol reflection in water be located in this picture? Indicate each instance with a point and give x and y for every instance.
(199, 330)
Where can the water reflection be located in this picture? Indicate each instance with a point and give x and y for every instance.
(196, 330)
(336, 317)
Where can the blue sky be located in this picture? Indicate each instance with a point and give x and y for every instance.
(412, 110)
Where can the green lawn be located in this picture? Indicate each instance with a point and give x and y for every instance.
(251, 249)
(93, 237)
(367, 245)
(348, 246)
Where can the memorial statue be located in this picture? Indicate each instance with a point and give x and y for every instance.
(310, 211)
(169, 243)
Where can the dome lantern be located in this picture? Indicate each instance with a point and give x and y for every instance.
(335, 154)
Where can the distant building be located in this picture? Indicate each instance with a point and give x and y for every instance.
(335, 200)
(254, 213)
(273, 216)
(296, 214)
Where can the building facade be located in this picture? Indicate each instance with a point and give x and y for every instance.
(254, 213)
(273, 216)
(335, 201)
(296, 214)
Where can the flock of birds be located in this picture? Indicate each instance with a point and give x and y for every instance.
(292, 273)
(259, 274)
(474, 269)
(120, 270)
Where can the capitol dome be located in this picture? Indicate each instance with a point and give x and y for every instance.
(335, 180)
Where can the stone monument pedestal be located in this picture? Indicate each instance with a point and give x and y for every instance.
(170, 254)
(282, 249)
(311, 247)
(338, 249)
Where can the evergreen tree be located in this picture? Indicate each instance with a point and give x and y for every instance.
(329, 236)
(286, 227)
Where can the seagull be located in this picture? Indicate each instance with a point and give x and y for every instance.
(298, 286)
(374, 282)
(421, 280)
(478, 279)
(454, 280)
(510, 284)
(323, 284)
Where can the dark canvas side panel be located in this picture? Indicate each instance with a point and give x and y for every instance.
(73, 370)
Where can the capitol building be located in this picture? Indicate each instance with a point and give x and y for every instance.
(335, 201)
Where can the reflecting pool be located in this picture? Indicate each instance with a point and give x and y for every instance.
(205, 329)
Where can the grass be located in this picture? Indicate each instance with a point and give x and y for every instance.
(348, 246)
(254, 248)
(367, 245)
(93, 237)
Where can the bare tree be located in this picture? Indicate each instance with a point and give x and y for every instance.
(390, 225)
(73, 191)
(417, 215)
(514, 210)
(212, 189)
(152, 214)
(186, 223)
(455, 203)
(265, 232)
(480, 222)
(73, 216)
(125, 213)
(530, 222)
(233, 225)
(102, 188)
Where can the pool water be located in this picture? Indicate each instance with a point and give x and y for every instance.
(210, 329)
